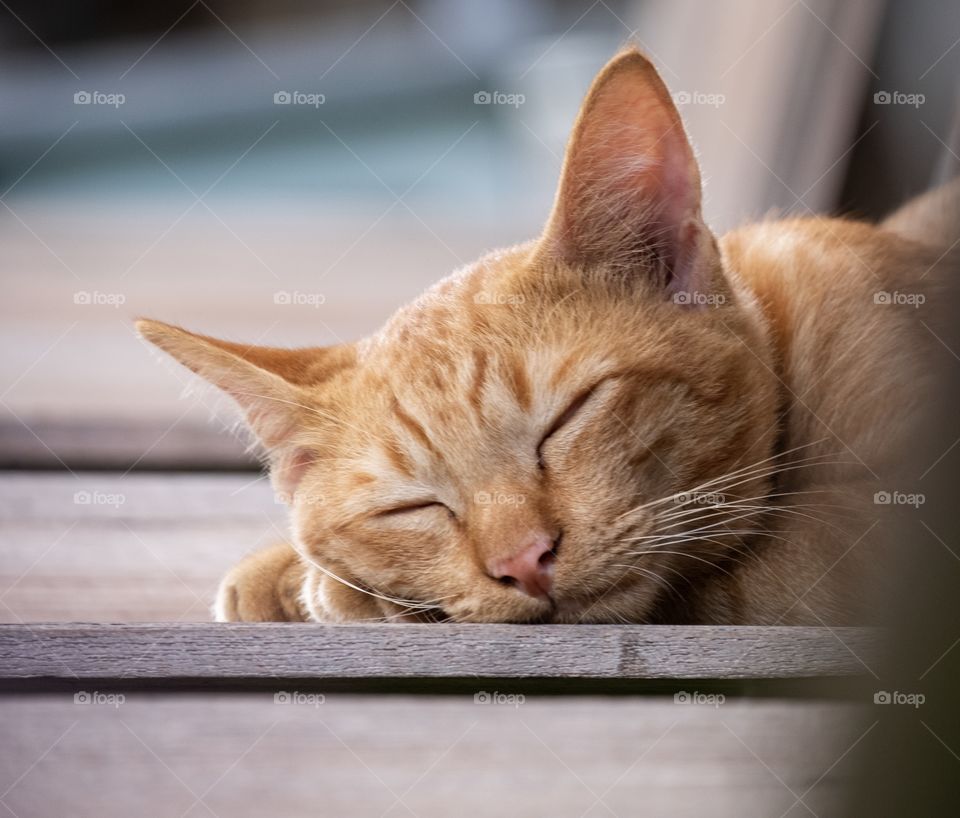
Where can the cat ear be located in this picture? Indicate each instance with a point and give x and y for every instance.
(629, 194)
(266, 382)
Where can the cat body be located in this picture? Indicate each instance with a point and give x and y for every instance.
(624, 420)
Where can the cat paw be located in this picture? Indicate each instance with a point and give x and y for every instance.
(330, 600)
(263, 587)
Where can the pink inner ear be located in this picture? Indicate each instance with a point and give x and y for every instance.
(289, 469)
(631, 183)
(686, 275)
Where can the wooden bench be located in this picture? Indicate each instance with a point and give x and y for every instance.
(147, 705)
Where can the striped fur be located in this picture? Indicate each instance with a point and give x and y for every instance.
(597, 384)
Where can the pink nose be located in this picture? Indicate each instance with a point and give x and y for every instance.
(530, 569)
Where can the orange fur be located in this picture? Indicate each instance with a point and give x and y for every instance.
(697, 426)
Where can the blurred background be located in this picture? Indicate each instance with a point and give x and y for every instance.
(289, 172)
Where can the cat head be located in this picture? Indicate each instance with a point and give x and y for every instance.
(500, 450)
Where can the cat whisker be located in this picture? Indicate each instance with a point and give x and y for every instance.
(410, 604)
(745, 502)
(679, 515)
(751, 511)
(696, 534)
(711, 563)
(795, 511)
(650, 574)
(756, 471)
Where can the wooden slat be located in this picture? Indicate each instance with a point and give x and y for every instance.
(120, 443)
(245, 755)
(271, 651)
(148, 547)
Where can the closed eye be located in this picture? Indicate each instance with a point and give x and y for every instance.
(564, 418)
(409, 508)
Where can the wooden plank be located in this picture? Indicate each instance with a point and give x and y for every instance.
(310, 651)
(245, 755)
(120, 443)
(140, 547)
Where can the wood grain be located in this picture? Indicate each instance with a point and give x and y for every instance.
(245, 755)
(106, 547)
(309, 651)
(119, 443)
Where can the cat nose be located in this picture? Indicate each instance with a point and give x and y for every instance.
(530, 569)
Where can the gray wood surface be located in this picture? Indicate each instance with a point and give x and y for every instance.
(241, 755)
(101, 547)
(271, 651)
(119, 443)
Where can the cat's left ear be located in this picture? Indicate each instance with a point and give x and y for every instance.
(629, 194)
(269, 384)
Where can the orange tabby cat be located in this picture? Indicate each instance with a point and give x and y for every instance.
(621, 421)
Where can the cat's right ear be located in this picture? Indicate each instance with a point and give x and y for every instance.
(267, 383)
(629, 193)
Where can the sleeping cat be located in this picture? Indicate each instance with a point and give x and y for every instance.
(623, 420)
